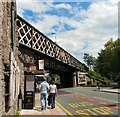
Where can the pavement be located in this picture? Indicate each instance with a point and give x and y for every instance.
(37, 109)
(110, 89)
(58, 110)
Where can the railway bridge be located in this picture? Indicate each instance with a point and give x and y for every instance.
(35, 46)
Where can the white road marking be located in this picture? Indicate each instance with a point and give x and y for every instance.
(106, 99)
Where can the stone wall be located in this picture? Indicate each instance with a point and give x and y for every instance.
(5, 54)
(4, 50)
(5, 47)
(1, 65)
(6, 27)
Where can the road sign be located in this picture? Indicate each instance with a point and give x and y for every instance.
(41, 64)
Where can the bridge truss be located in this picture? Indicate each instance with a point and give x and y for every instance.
(34, 39)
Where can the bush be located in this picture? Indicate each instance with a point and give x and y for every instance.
(97, 76)
(17, 113)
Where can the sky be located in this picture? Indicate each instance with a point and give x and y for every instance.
(80, 26)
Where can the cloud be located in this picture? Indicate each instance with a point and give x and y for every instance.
(63, 6)
(36, 7)
(46, 25)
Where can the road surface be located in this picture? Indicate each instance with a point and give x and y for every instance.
(87, 101)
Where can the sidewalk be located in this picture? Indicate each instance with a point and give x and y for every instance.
(37, 110)
(110, 90)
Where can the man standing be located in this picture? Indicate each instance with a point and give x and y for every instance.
(44, 86)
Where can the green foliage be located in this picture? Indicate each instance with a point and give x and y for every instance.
(108, 61)
(17, 113)
(107, 65)
(97, 76)
(53, 76)
(89, 60)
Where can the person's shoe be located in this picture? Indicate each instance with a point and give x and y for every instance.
(48, 103)
(42, 108)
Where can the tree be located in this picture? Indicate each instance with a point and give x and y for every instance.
(108, 60)
(89, 60)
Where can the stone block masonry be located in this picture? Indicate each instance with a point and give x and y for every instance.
(5, 57)
(1, 64)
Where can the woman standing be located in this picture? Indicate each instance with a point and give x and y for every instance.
(53, 93)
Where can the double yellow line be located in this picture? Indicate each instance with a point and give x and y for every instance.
(65, 110)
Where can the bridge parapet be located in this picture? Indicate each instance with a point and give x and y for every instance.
(33, 38)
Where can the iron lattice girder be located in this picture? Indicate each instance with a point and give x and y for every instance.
(33, 38)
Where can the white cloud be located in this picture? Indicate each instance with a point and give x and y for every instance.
(46, 25)
(35, 7)
(61, 6)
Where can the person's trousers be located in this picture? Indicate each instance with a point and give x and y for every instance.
(49, 100)
(52, 95)
(44, 102)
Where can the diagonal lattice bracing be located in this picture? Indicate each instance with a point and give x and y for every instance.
(31, 37)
